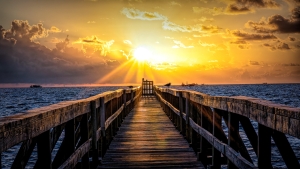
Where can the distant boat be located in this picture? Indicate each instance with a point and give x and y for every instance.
(35, 86)
(189, 84)
(168, 84)
(265, 83)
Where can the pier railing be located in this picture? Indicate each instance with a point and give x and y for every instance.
(199, 118)
(88, 126)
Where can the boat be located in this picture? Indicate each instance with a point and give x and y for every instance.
(189, 84)
(35, 86)
(168, 84)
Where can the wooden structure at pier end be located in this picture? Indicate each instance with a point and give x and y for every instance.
(89, 133)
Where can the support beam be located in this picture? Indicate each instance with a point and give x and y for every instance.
(264, 147)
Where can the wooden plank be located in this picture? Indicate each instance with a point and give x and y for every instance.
(75, 157)
(143, 141)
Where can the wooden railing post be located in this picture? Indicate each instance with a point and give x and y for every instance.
(217, 127)
(44, 151)
(124, 102)
(180, 112)
(193, 114)
(202, 156)
(94, 136)
(131, 100)
(187, 112)
(84, 132)
(102, 125)
(233, 131)
(264, 147)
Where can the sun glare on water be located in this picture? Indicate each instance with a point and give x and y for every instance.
(142, 54)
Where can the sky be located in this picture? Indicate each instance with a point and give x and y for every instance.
(122, 41)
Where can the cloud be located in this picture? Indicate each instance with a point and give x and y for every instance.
(239, 42)
(206, 44)
(254, 63)
(248, 6)
(290, 64)
(167, 25)
(142, 15)
(248, 36)
(54, 29)
(26, 61)
(235, 7)
(242, 44)
(127, 42)
(213, 11)
(173, 3)
(204, 19)
(22, 29)
(180, 44)
(278, 23)
(93, 44)
(277, 46)
(91, 22)
(292, 39)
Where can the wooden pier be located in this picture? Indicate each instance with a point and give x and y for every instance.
(136, 128)
(148, 139)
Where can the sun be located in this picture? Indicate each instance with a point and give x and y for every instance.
(141, 54)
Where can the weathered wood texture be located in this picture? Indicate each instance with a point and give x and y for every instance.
(234, 110)
(275, 116)
(83, 123)
(148, 139)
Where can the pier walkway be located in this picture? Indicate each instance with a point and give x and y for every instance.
(148, 139)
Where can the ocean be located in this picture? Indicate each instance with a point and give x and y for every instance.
(15, 100)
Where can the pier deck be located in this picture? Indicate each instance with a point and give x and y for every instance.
(148, 139)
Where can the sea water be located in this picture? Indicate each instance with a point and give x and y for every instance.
(16, 100)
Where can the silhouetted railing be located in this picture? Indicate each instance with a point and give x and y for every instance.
(88, 126)
(199, 118)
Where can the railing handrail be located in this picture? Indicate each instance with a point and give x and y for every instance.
(279, 117)
(26, 125)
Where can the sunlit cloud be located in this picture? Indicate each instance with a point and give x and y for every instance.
(93, 44)
(180, 44)
(213, 11)
(250, 36)
(142, 15)
(91, 22)
(54, 29)
(173, 3)
(277, 46)
(128, 42)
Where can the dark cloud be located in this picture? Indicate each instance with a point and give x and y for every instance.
(278, 23)
(249, 36)
(278, 46)
(24, 61)
(292, 39)
(254, 63)
(243, 46)
(239, 42)
(291, 64)
(233, 8)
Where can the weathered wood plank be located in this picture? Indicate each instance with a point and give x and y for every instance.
(143, 140)
(276, 116)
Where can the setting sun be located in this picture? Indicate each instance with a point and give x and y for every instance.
(142, 54)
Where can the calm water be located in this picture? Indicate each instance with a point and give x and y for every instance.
(14, 100)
